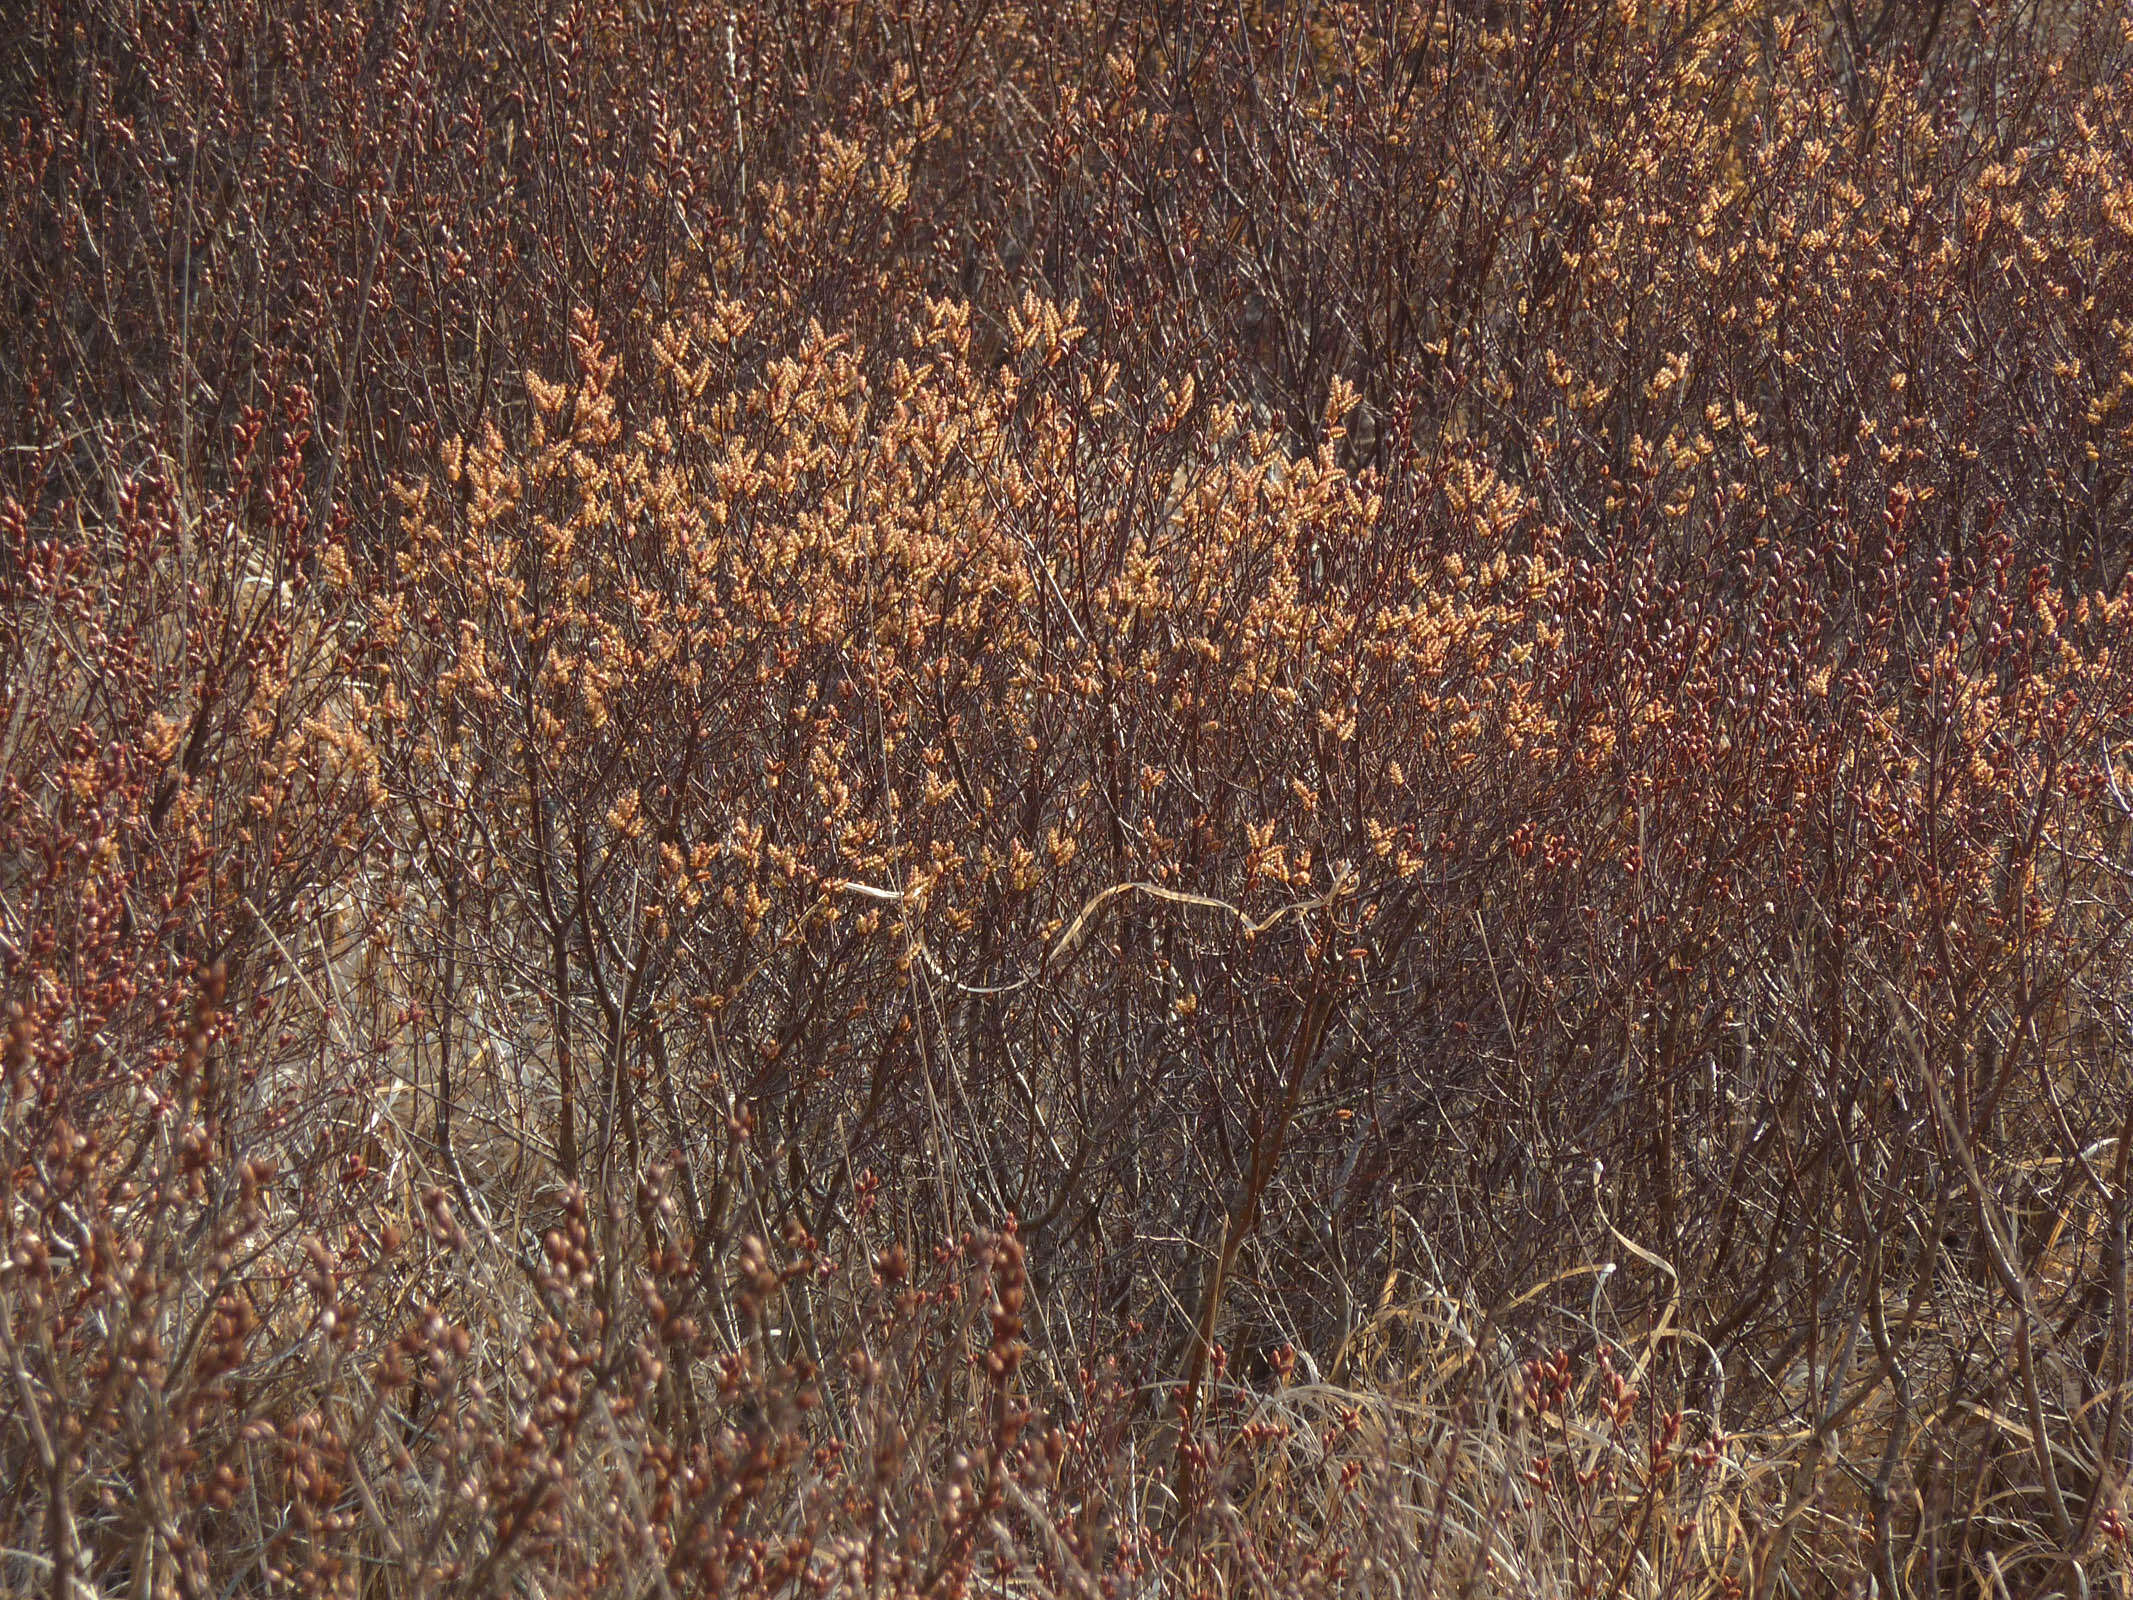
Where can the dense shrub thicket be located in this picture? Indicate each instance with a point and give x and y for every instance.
(946, 798)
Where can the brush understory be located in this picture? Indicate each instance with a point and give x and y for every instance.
(1087, 799)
